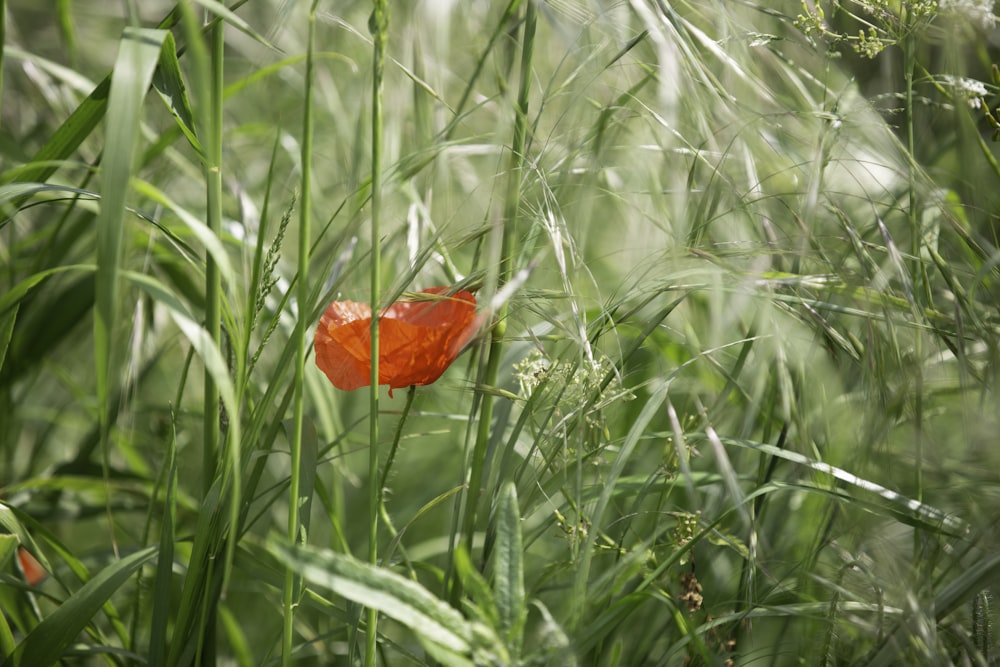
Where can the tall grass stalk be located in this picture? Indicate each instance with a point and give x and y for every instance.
(918, 280)
(208, 74)
(379, 25)
(509, 229)
(213, 280)
(302, 323)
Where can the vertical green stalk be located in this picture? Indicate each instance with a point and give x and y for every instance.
(3, 40)
(512, 205)
(917, 273)
(302, 301)
(380, 28)
(213, 280)
(213, 293)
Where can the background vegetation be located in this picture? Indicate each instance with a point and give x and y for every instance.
(737, 405)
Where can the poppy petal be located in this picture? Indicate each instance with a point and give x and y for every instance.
(33, 571)
(418, 340)
(340, 352)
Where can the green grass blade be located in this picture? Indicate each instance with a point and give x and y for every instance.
(7, 320)
(635, 434)
(211, 242)
(138, 54)
(66, 139)
(169, 83)
(190, 621)
(508, 573)
(50, 639)
(399, 598)
(165, 564)
(235, 20)
(208, 351)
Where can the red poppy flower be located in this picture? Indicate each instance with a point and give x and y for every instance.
(418, 339)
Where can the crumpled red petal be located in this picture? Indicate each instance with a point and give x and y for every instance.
(418, 340)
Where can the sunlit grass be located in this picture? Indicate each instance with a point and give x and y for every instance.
(732, 399)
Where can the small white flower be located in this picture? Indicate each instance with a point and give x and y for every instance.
(972, 90)
(977, 12)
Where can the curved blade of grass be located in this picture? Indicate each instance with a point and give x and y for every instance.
(168, 82)
(17, 191)
(960, 591)
(232, 19)
(14, 295)
(203, 344)
(66, 139)
(137, 57)
(211, 242)
(47, 642)
(635, 434)
(399, 598)
(922, 511)
(483, 600)
(7, 320)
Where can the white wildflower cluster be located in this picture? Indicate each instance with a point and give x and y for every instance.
(573, 384)
(971, 90)
(530, 372)
(977, 12)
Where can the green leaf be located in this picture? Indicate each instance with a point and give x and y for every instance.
(211, 242)
(49, 640)
(8, 547)
(137, 57)
(165, 564)
(168, 82)
(19, 191)
(7, 320)
(66, 139)
(13, 296)
(187, 637)
(401, 599)
(219, 9)
(635, 434)
(44, 323)
(508, 570)
(478, 589)
(194, 332)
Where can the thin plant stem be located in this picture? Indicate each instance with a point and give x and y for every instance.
(302, 298)
(380, 28)
(410, 393)
(213, 279)
(917, 273)
(510, 219)
(213, 300)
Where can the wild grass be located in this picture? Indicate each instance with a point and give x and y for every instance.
(733, 400)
